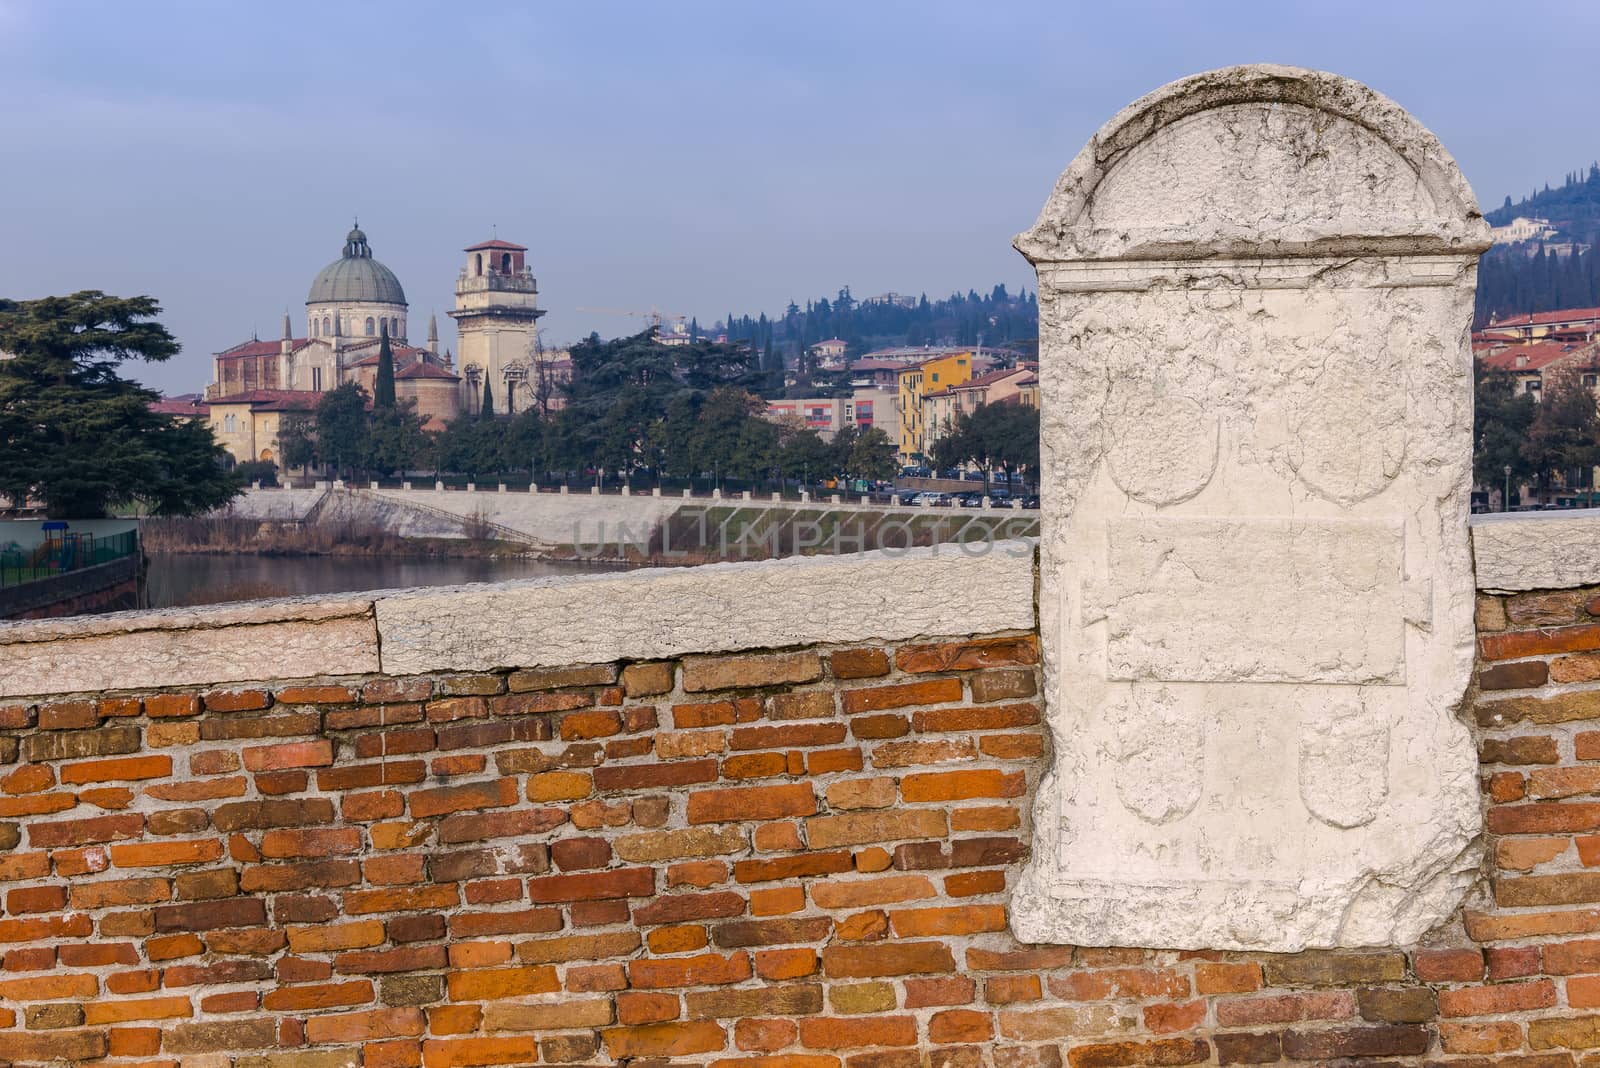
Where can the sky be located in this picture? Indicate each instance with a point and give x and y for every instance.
(698, 158)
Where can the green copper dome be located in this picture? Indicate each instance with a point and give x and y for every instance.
(356, 278)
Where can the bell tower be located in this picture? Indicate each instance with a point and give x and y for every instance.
(497, 311)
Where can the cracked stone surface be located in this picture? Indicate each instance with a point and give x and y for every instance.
(1256, 592)
(1536, 550)
(668, 612)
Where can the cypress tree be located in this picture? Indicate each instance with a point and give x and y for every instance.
(486, 410)
(383, 388)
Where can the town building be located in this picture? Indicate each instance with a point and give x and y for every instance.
(1530, 364)
(1522, 229)
(247, 424)
(1567, 324)
(497, 312)
(830, 353)
(863, 409)
(1009, 385)
(917, 380)
(351, 303)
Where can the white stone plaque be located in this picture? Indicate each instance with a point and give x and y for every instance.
(1255, 290)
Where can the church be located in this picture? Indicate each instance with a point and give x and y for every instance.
(352, 303)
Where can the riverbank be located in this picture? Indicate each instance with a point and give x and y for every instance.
(176, 580)
(235, 535)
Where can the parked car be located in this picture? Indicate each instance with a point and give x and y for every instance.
(906, 496)
(1031, 501)
(931, 498)
(969, 500)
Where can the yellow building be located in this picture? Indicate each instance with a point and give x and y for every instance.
(930, 376)
(247, 424)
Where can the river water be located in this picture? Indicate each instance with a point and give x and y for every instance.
(177, 579)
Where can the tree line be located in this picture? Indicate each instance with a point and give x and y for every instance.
(998, 318)
(635, 408)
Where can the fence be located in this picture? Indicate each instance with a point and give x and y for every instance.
(64, 552)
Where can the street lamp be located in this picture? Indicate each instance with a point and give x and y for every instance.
(1505, 501)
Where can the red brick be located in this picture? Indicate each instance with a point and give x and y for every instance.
(118, 770)
(927, 692)
(1500, 998)
(754, 803)
(961, 785)
(1521, 643)
(863, 1032)
(968, 655)
(664, 1039)
(858, 663)
(891, 958)
(499, 793)
(620, 882)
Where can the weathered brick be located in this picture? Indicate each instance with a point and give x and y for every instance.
(858, 828)
(1498, 998)
(858, 663)
(648, 679)
(1167, 1051)
(889, 958)
(499, 793)
(664, 1039)
(657, 846)
(968, 655)
(749, 670)
(76, 745)
(961, 785)
(1397, 1040)
(1542, 642)
(752, 803)
(1515, 675)
(1522, 749)
(810, 704)
(621, 882)
(616, 777)
(1318, 968)
(900, 695)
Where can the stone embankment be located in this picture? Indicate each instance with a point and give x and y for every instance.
(635, 528)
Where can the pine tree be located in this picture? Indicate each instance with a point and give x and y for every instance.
(486, 409)
(383, 388)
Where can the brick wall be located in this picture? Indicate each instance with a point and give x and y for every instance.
(787, 859)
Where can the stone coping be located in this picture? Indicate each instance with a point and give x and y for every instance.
(885, 595)
(1515, 551)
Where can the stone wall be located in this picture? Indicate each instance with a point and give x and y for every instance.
(107, 587)
(798, 856)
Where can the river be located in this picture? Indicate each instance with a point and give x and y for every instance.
(177, 579)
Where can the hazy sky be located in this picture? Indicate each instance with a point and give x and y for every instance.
(695, 157)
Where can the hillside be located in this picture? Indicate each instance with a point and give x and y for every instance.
(1558, 272)
(1573, 207)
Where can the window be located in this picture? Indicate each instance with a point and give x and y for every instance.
(313, 328)
(394, 327)
(316, 378)
(1591, 380)
(505, 263)
(326, 329)
(372, 327)
(477, 263)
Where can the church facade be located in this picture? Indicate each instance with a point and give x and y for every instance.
(352, 302)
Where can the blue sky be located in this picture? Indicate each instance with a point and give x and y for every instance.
(698, 157)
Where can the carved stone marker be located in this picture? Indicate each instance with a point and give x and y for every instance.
(1255, 290)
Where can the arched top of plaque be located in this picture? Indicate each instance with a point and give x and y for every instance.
(1258, 161)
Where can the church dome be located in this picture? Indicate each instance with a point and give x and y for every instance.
(356, 278)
